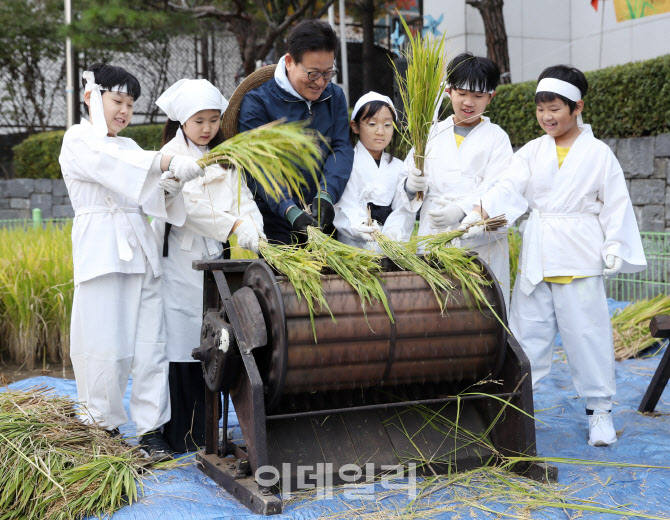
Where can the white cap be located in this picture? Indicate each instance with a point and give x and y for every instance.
(372, 96)
(189, 96)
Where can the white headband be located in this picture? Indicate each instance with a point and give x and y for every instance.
(96, 112)
(474, 87)
(188, 97)
(372, 96)
(558, 86)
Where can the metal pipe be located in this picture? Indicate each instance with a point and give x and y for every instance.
(343, 53)
(69, 72)
(386, 406)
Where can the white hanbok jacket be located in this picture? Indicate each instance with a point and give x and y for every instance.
(579, 213)
(462, 174)
(113, 187)
(212, 208)
(376, 184)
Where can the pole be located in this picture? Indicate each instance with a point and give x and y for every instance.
(69, 71)
(343, 53)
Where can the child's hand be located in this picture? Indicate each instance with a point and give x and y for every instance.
(247, 235)
(416, 181)
(171, 186)
(470, 230)
(184, 168)
(614, 264)
(445, 213)
(365, 232)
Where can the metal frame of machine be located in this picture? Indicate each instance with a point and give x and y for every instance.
(383, 425)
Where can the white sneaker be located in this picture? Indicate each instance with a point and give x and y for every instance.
(601, 429)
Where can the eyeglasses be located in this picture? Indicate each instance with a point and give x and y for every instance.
(313, 75)
(372, 125)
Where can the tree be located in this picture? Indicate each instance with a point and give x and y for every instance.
(30, 52)
(496, 35)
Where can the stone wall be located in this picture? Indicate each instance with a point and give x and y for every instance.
(645, 162)
(18, 197)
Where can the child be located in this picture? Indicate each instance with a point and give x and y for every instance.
(581, 215)
(465, 155)
(117, 321)
(213, 213)
(374, 179)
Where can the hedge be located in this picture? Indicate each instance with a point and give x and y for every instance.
(37, 156)
(631, 100)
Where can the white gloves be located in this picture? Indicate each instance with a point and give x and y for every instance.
(247, 235)
(445, 213)
(473, 231)
(171, 187)
(614, 264)
(365, 232)
(416, 181)
(184, 169)
(394, 234)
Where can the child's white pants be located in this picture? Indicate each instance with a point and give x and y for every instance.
(578, 311)
(496, 254)
(117, 330)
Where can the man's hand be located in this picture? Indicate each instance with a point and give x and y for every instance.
(323, 211)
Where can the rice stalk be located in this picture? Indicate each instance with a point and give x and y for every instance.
(274, 155)
(420, 89)
(402, 255)
(302, 268)
(357, 267)
(36, 291)
(630, 326)
(57, 467)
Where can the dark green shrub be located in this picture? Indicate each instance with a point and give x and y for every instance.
(631, 100)
(37, 156)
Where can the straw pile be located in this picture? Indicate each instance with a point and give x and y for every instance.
(630, 326)
(55, 466)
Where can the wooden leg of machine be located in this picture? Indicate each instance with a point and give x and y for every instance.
(659, 328)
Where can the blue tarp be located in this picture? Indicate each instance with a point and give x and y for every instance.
(186, 493)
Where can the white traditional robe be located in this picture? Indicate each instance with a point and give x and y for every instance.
(579, 214)
(212, 208)
(462, 174)
(378, 185)
(117, 327)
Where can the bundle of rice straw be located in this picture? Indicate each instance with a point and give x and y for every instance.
(273, 154)
(402, 255)
(56, 467)
(357, 267)
(421, 90)
(630, 326)
(302, 268)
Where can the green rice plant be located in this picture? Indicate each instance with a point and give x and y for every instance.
(57, 467)
(421, 89)
(36, 291)
(402, 255)
(514, 244)
(302, 269)
(630, 326)
(357, 267)
(274, 155)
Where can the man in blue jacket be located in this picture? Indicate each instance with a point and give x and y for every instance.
(301, 90)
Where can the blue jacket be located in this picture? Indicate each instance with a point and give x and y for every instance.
(328, 115)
